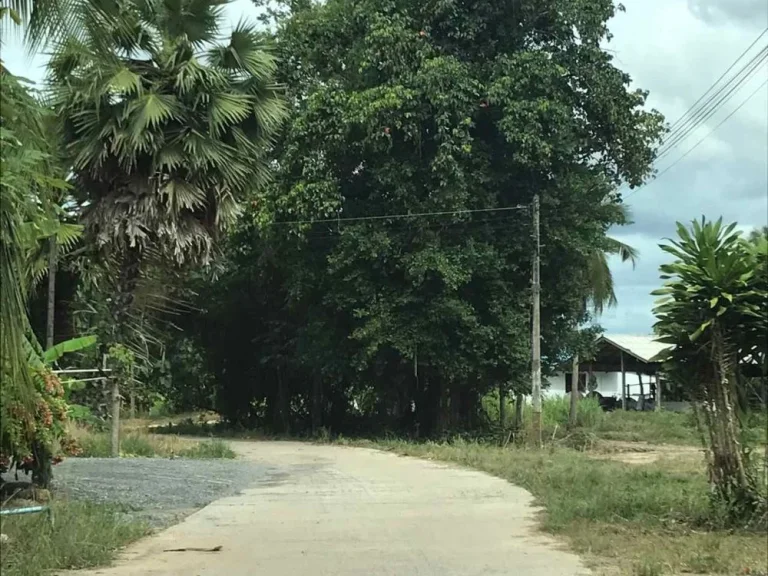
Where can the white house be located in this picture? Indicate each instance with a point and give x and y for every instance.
(637, 355)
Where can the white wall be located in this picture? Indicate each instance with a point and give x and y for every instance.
(608, 384)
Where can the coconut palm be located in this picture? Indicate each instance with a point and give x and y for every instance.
(600, 287)
(166, 129)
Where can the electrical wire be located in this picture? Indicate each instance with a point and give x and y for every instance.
(712, 106)
(399, 216)
(716, 82)
(488, 224)
(695, 146)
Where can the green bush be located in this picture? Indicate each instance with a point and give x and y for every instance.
(208, 449)
(159, 408)
(554, 411)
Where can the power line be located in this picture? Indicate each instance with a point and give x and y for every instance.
(398, 216)
(695, 146)
(715, 102)
(479, 225)
(731, 67)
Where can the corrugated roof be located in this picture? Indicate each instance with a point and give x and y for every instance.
(644, 348)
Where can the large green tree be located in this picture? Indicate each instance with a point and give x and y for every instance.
(459, 114)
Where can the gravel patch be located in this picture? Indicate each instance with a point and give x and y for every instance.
(159, 491)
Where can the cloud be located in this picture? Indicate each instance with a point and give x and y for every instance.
(677, 49)
(750, 13)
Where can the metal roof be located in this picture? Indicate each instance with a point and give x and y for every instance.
(644, 348)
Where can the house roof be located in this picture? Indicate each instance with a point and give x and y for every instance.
(644, 348)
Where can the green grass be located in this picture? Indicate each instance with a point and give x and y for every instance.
(626, 519)
(654, 427)
(574, 486)
(141, 444)
(83, 536)
(214, 448)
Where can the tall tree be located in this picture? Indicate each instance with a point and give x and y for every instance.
(459, 115)
(167, 131)
(600, 293)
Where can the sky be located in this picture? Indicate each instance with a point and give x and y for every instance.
(675, 49)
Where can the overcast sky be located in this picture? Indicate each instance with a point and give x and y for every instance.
(676, 49)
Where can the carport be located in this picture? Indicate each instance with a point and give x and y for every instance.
(635, 354)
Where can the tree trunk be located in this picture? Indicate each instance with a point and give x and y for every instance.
(519, 411)
(641, 403)
(502, 406)
(317, 405)
(42, 472)
(130, 271)
(51, 308)
(115, 423)
(727, 468)
(572, 417)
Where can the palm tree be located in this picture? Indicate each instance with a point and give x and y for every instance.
(600, 288)
(167, 131)
(47, 22)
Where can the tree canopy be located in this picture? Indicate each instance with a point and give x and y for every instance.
(391, 256)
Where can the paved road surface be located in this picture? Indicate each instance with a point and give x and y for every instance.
(336, 511)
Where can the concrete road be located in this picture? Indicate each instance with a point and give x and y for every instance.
(336, 511)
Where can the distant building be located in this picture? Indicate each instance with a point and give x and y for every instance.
(637, 355)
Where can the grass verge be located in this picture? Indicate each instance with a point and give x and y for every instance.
(625, 519)
(137, 443)
(83, 535)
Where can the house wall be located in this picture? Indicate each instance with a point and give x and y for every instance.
(608, 384)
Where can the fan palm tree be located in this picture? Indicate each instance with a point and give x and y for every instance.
(46, 22)
(167, 130)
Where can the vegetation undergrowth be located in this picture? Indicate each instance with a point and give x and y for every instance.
(137, 443)
(83, 535)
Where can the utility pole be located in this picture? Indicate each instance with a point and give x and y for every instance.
(536, 335)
